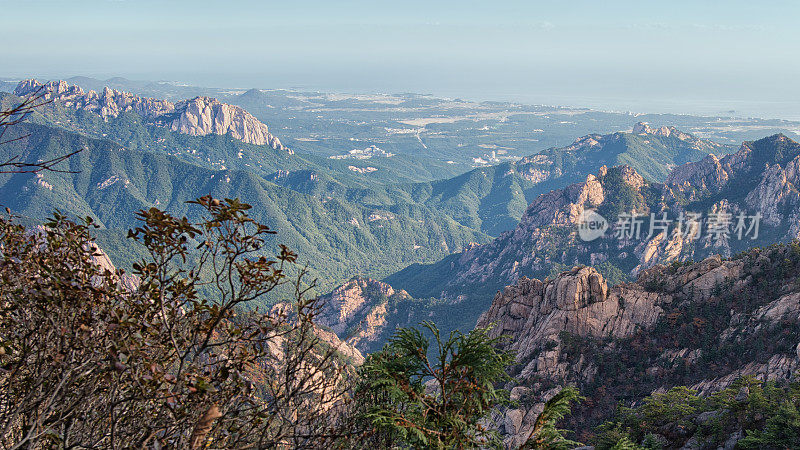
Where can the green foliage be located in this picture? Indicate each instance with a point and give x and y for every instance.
(767, 413)
(675, 406)
(625, 444)
(652, 442)
(340, 235)
(412, 399)
(609, 434)
(621, 196)
(781, 430)
(611, 273)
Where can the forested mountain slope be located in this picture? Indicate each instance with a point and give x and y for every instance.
(111, 183)
(727, 193)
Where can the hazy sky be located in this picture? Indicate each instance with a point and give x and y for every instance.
(642, 55)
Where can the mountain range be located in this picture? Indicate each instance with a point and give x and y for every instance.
(380, 223)
(759, 179)
(110, 183)
(665, 332)
(625, 263)
(199, 116)
(348, 221)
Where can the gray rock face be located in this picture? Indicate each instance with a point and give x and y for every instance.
(536, 315)
(706, 174)
(199, 116)
(357, 310)
(108, 103)
(645, 128)
(733, 439)
(579, 301)
(665, 131)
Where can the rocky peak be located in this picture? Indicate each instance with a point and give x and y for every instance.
(664, 131)
(645, 128)
(578, 301)
(629, 176)
(676, 325)
(773, 140)
(757, 159)
(346, 300)
(200, 116)
(109, 103)
(357, 310)
(28, 87)
(706, 174)
(535, 314)
(563, 206)
(588, 141)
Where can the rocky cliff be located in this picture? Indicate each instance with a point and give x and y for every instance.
(702, 325)
(358, 311)
(665, 131)
(199, 116)
(760, 180)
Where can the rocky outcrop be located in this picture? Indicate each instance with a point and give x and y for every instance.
(511, 253)
(199, 116)
(578, 302)
(777, 197)
(108, 103)
(678, 325)
(707, 174)
(343, 348)
(357, 311)
(664, 131)
(563, 207)
(534, 314)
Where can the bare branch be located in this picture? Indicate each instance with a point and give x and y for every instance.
(17, 115)
(36, 167)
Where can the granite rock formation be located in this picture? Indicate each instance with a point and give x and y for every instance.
(199, 116)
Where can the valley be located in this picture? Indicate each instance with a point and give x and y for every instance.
(418, 225)
(410, 209)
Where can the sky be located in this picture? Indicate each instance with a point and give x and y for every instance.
(647, 56)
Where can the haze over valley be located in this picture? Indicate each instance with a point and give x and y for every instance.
(431, 226)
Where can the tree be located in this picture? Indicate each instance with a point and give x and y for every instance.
(93, 358)
(434, 403)
(408, 399)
